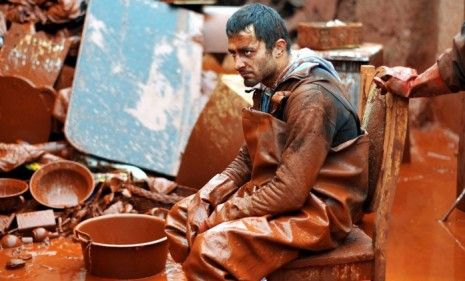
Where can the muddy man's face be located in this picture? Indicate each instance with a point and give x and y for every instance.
(251, 58)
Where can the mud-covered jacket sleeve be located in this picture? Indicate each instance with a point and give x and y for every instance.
(310, 124)
(216, 191)
(452, 64)
(239, 169)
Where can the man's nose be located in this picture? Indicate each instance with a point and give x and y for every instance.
(238, 63)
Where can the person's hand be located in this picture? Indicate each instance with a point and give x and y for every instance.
(205, 200)
(227, 211)
(197, 215)
(396, 80)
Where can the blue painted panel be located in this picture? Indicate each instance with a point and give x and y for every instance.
(136, 92)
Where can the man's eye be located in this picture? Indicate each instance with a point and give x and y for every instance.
(247, 53)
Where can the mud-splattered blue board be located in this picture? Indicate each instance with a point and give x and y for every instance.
(136, 92)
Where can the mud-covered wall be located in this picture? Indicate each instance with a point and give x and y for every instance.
(407, 29)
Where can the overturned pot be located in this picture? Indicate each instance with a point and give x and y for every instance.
(11, 194)
(123, 246)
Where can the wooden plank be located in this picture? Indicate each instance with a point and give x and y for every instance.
(374, 121)
(395, 132)
(367, 73)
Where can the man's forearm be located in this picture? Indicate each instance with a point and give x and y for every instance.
(239, 170)
(452, 64)
(288, 190)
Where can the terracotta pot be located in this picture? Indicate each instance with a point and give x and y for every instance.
(123, 246)
(11, 191)
(62, 184)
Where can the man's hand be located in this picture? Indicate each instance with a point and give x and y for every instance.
(228, 211)
(197, 215)
(396, 80)
(205, 200)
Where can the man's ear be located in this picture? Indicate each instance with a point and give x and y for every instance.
(279, 48)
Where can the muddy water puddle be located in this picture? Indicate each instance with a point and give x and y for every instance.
(420, 247)
(62, 261)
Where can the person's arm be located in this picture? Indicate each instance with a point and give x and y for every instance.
(446, 76)
(451, 64)
(216, 191)
(405, 82)
(310, 126)
(222, 185)
(239, 169)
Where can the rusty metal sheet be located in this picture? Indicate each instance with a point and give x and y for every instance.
(33, 56)
(136, 92)
(217, 135)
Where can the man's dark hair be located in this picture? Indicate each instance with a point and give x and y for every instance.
(268, 24)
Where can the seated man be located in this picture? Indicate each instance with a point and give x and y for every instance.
(299, 181)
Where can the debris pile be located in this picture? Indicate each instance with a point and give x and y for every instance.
(39, 77)
(117, 193)
(38, 59)
(42, 11)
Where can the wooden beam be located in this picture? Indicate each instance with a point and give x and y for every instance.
(395, 132)
(367, 72)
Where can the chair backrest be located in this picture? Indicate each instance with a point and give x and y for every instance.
(385, 118)
(373, 116)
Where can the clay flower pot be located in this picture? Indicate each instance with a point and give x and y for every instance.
(11, 191)
(123, 246)
(62, 184)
